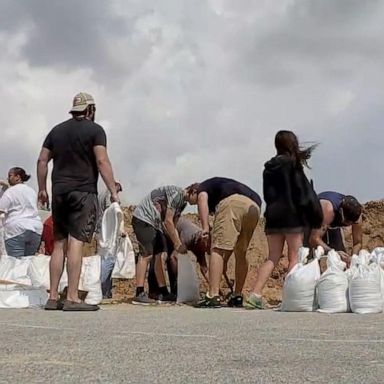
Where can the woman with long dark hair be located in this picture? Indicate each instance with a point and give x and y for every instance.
(291, 205)
(22, 224)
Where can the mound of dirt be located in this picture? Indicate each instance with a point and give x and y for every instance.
(373, 236)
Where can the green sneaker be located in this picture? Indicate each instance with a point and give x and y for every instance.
(254, 302)
(209, 302)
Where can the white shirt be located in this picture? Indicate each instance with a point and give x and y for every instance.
(19, 203)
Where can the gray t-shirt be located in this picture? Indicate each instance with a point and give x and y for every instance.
(189, 232)
(153, 207)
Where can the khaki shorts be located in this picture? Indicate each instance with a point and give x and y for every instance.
(235, 220)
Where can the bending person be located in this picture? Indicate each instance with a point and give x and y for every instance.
(236, 209)
(339, 211)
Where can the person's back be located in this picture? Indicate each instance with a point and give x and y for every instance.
(336, 199)
(219, 188)
(74, 162)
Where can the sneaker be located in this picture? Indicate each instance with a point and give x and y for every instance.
(254, 302)
(164, 299)
(143, 299)
(235, 301)
(73, 306)
(209, 302)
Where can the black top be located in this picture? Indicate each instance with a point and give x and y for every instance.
(290, 198)
(218, 188)
(74, 162)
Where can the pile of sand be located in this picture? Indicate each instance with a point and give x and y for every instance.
(373, 228)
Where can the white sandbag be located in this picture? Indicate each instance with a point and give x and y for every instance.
(90, 279)
(300, 283)
(187, 280)
(125, 267)
(15, 269)
(377, 257)
(108, 238)
(17, 296)
(365, 285)
(38, 271)
(332, 287)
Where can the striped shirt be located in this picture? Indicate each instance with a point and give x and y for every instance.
(153, 207)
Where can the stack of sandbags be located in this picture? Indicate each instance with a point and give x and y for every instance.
(24, 281)
(332, 287)
(300, 283)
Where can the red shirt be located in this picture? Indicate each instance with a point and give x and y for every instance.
(47, 235)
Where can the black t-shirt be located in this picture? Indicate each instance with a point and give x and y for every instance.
(74, 162)
(218, 188)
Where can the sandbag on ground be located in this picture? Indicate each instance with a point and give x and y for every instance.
(300, 283)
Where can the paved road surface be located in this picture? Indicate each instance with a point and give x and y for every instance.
(129, 344)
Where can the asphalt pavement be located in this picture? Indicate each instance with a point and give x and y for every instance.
(179, 344)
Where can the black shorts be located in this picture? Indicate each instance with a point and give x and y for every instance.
(151, 240)
(74, 213)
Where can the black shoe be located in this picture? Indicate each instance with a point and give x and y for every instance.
(164, 299)
(235, 301)
(209, 302)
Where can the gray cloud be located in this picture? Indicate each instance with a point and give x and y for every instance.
(188, 90)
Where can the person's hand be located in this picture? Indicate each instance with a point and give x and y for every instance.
(43, 198)
(345, 257)
(4, 184)
(115, 198)
(181, 249)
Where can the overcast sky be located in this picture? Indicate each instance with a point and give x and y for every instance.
(191, 89)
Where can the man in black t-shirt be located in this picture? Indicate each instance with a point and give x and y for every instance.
(236, 210)
(78, 149)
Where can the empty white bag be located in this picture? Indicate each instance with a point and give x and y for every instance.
(90, 279)
(187, 280)
(17, 296)
(300, 283)
(332, 287)
(125, 267)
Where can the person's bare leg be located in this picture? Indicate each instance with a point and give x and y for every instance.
(56, 266)
(216, 265)
(74, 262)
(159, 270)
(241, 267)
(141, 269)
(294, 241)
(276, 245)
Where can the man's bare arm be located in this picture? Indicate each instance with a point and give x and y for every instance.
(316, 238)
(42, 171)
(172, 231)
(105, 169)
(357, 236)
(202, 205)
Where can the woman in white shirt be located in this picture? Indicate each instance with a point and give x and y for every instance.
(22, 224)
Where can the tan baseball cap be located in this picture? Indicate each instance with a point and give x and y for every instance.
(81, 102)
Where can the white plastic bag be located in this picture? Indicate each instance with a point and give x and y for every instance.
(90, 279)
(110, 231)
(187, 280)
(125, 267)
(300, 283)
(15, 269)
(332, 287)
(17, 296)
(38, 271)
(365, 285)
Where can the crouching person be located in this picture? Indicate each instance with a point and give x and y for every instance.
(157, 210)
(236, 210)
(191, 237)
